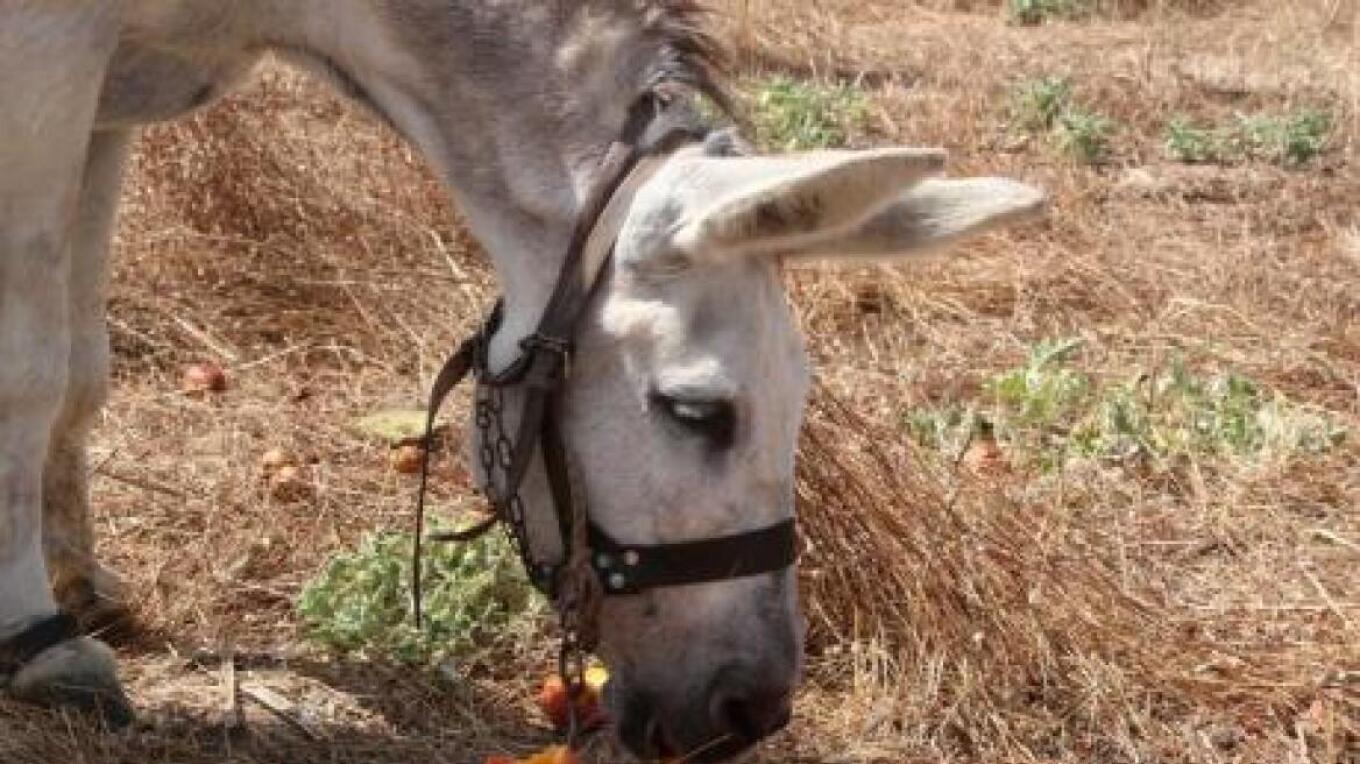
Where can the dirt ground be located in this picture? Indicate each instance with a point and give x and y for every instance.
(1206, 614)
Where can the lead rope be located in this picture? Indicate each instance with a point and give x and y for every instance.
(454, 371)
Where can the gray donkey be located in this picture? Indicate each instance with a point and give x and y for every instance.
(688, 376)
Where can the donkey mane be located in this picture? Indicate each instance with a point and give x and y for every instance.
(691, 54)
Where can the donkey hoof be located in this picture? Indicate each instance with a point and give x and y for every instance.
(97, 597)
(79, 674)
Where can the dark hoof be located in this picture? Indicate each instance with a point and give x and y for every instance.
(79, 674)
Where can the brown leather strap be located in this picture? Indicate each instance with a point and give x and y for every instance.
(545, 360)
(629, 569)
(454, 371)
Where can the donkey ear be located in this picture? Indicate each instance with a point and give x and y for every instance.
(783, 204)
(932, 214)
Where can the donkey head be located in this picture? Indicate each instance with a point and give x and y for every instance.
(686, 397)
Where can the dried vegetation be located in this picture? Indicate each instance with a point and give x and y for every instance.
(1200, 609)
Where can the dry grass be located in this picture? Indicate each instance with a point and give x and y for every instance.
(1207, 613)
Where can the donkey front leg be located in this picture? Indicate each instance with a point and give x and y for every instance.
(52, 62)
(84, 587)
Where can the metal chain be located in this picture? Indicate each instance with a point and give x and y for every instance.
(496, 453)
(578, 590)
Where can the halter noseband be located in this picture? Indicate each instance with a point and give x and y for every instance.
(540, 371)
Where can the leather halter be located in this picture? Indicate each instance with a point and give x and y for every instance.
(541, 370)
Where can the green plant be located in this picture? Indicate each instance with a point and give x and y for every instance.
(795, 115)
(1038, 103)
(1038, 11)
(1291, 140)
(1046, 105)
(947, 429)
(1045, 414)
(1188, 142)
(1085, 135)
(361, 600)
(1042, 390)
(1178, 414)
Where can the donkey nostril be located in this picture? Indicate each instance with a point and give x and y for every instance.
(751, 715)
(736, 718)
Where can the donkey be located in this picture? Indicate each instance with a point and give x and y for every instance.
(688, 377)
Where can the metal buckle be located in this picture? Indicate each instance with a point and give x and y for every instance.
(557, 346)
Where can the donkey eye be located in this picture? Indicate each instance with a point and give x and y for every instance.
(714, 420)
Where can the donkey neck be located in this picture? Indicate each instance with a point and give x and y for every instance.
(515, 103)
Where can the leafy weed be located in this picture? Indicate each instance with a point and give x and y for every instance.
(1187, 142)
(361, 600)
(1038, 103)
(1085, 135)
(796, 115)
(1045, 105)
(1290, 140)
(1031, 12)
(1293, 139)
(1045, 413)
